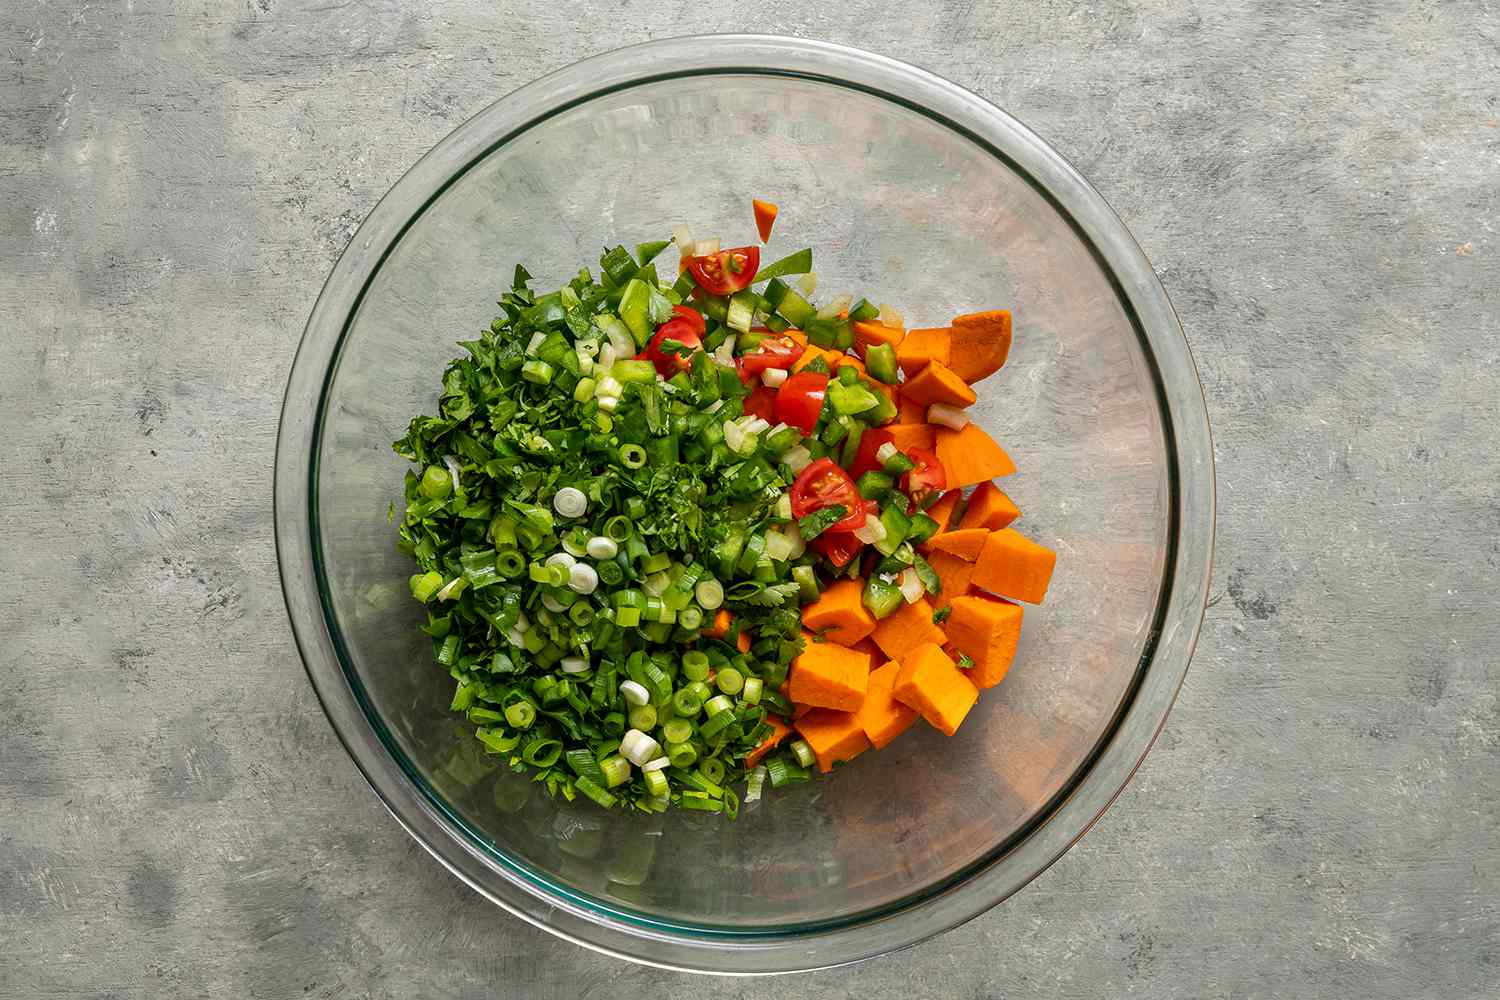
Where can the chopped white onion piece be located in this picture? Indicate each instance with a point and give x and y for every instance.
(872, 532)
(619, 339)
(552, 604)
(737, 440)
(638, 748)
(570, 502)
(705, 247)
(600, 547)
(589, 347)
(452, 463)
(784, 543)
(607, 356)
(585, 364)
(891, 316)
(634, 694)
(523, 624)
(683, 237)
(535, 342)
(835, 306)
(583, 579)
(797, 458)
(724, 353)
(658, 764)
(773, 377)
(784, 506)
(515, 637)
(609, 386)
(947, 416)
(752, 424)
(573, 664)
(886, 452)
(911, 585)
(608, 403)
(560, 559)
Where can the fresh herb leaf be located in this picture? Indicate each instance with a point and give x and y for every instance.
(819, 521)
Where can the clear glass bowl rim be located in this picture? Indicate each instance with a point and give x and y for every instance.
(929, 911)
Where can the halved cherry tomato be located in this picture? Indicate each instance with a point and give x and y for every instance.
(800, 400)
(928, 476)
(762, 403)
(773, 352)
(823, 484)
(869, 443)
(686, 327)
(838, 546)
(725, 272)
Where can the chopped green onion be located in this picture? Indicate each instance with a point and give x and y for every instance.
(718, 704)
(695, 665)
(591, 789)
(543, 752)
(803, 753)
(678, 730)
(656, 783)
(730, 681)
(681, 754)
(702, 802)
(712, 769)
(520, 715)
(753, 686)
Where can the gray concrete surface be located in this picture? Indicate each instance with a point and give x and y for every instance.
(1316, 184)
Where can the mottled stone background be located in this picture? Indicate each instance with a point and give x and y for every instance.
(1318, 186)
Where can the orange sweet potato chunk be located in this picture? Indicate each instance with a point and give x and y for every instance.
(980, 343)
(833, 736)
(965, 543)
(987, 630)
(922, 347)
(882, 717)
(908, 627)
(971, 456)
(1012, 565)
(930, 682)
(937, 383)
(990, 508)
(953, 573)
(840, 609)
(826, 675)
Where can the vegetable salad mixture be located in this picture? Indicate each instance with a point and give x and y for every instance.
(673, 536)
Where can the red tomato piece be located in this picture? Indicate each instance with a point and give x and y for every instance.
(686, 327)
(762, 403)
(869, 443)
(800, 400)
(838, 546)
(773, 352)
(725, 272)
(928, 476)
(823, 484)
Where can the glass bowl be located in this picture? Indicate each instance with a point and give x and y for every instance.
(915, 192)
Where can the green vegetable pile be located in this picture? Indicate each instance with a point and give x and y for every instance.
(580, 524)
